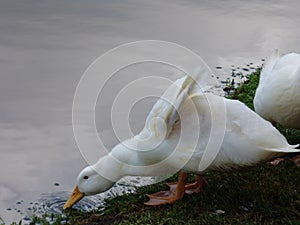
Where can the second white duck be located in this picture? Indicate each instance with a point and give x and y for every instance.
(277, 97)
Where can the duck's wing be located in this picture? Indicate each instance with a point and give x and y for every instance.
(269, 65)
(164, 113)
(251, 128)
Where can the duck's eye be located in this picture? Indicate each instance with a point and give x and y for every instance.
(85, 177)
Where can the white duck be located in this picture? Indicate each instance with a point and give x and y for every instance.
(277, 97)
(186, 131)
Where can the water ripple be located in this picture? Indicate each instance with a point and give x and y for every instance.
(54, 202)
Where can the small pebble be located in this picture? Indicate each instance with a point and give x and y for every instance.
(8, 209)
(26, 218)
(219, 67)
(18, 203)
(219, 212)
(56, 184)
(244, 208)
(134, 181)
(226, 89)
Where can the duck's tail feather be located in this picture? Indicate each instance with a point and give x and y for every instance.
(269, 64)
(290, 149)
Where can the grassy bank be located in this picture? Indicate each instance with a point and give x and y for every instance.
(264, 194)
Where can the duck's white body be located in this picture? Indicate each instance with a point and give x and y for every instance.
(248, 140)
(208, 133)
(277, 97)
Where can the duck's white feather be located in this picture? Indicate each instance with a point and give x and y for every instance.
(269, 65)
(277, 97)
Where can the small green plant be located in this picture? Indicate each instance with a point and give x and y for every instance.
(246, 92)
(1, 221)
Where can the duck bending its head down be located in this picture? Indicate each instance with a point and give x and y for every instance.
(277, 97)
(180, 134)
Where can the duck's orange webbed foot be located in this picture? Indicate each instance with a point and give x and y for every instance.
(197, 186)
(177, 191)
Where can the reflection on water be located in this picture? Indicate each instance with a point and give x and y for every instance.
(45, 47)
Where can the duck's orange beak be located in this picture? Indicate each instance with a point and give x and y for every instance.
(74, 197)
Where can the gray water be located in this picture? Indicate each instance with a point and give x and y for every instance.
(45, 47)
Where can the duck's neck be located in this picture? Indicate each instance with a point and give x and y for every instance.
(126, 160)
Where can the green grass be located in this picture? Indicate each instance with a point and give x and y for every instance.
(245, 93)
(264, 194)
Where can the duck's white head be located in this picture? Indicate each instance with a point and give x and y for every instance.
(89, 182)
